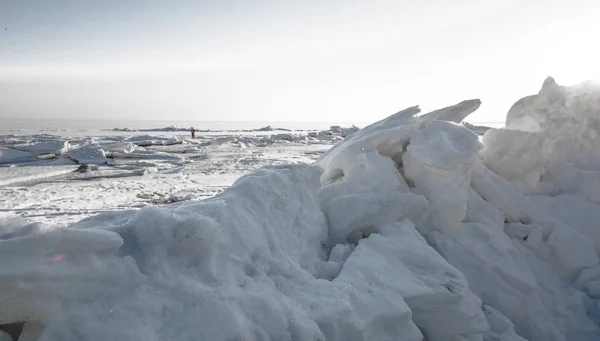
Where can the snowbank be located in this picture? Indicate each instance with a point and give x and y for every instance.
(410, 228)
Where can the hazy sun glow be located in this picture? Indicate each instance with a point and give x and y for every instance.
(286, 61)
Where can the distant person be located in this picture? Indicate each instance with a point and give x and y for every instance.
(193, 133)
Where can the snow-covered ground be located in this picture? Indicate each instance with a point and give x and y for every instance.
(416, 227)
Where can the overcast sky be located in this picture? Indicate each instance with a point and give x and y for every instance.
(279, 60)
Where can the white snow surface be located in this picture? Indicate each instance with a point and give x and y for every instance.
(411, 228)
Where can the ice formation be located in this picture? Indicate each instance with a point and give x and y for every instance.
(88, 155)
(410, 229)
(53, 150)
(12, 156)
(43, 146)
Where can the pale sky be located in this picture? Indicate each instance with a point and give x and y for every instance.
(280, 60)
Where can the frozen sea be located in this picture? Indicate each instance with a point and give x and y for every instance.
(47, 189)
(102, 127)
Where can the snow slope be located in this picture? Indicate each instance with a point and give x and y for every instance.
(410, 229)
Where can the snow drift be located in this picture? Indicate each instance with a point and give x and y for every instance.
(410, 228)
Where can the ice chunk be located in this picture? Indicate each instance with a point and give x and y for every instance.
(44, 147)
(368, 172)
(517, 156)
(120, 147)
(574, 250)
(356, 310)
(438, 161)
(477, 129)
(501, 328)
(148, 140)
(146, 154)
(455, 113)
(368, 192)
(342, 131)
(399, 263)
(31, 175)
(88, 155)
(389, 137)
(568, 308)
(501, 194)
(565, 139)
(572, 210)
(556, 108)
(498, 275)
(445, 146)
(8, 156)
(348, 213)
(478, 210)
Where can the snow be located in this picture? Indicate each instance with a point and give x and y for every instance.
(415, 227)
